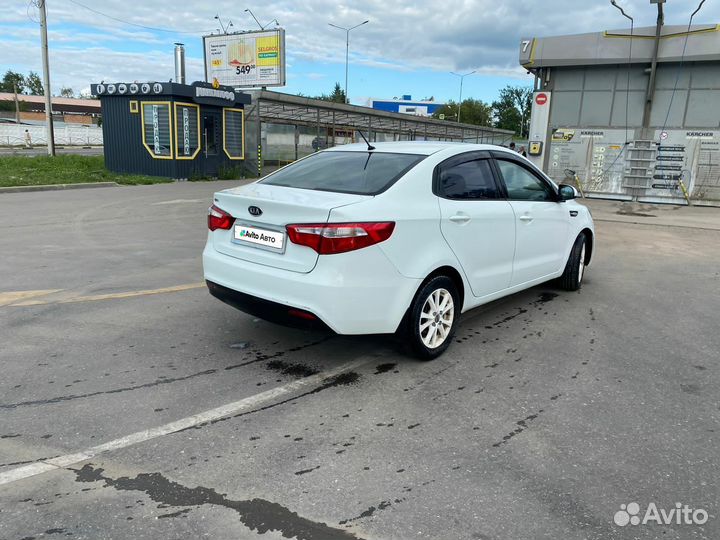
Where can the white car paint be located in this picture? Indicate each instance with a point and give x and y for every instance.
(497, 247)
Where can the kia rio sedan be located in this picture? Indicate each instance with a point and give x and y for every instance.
(394, 238)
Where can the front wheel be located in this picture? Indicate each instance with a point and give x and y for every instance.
(432, 318)
(571, 279)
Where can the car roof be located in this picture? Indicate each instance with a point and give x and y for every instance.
(415, 147)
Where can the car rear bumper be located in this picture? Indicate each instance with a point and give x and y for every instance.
(359, 292)
(266, 309)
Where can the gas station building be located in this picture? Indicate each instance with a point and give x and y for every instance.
(636, 115)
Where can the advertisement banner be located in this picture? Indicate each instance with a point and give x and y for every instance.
(595, 154)
(246, 59)
(692, 156)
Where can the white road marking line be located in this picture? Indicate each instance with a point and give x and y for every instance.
(25, 471)
(180, 201)
(111, 296)
(229, 409)
(11, 297)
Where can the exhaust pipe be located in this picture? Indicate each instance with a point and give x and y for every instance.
(180, 63)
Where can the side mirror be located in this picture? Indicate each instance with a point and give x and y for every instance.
(566, 192)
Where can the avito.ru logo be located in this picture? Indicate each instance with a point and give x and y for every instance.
(629, 514)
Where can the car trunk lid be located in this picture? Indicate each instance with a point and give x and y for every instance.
(262, 211)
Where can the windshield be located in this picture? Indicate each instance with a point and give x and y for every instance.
(363, 173)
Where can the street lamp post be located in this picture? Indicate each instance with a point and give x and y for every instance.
(46, 79)
(461, 85)
(258, 22)
(225, 29)
(347, 52)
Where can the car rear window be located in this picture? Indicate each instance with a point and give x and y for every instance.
(363, 173)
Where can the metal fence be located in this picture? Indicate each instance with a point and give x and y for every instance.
(65, 135)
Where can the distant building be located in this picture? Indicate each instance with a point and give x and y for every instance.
(406, 105)
(68, 110)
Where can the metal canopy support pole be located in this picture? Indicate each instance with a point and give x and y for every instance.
(296, 139)
(317, 127)
(333, 128)
(259, 138)
(369, 128)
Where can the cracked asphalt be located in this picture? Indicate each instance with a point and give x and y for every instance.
(550, 410)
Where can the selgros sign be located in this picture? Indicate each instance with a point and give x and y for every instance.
(246, 59)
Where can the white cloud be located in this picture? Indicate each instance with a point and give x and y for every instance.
(456, 35)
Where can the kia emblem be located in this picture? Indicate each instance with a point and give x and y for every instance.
(254, 211)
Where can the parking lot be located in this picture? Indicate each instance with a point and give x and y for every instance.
(135, 405)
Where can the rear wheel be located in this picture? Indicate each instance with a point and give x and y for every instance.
(432, 318)
(571, 280)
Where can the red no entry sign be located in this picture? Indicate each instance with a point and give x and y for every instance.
(541, 99)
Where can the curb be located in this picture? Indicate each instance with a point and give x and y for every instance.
(57, 187)
(651, 224)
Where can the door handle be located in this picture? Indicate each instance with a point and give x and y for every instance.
(459, 218)
(526, 218)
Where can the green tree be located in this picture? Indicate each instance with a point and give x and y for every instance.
(9, 105)
(337, 95)
(512, 109)
(34, 84)
(473, 111)
(67, 92)
(12, 80)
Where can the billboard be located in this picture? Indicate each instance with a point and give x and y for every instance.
(246, 59)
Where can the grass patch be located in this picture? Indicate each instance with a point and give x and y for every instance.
(64, 169)
(225, 172)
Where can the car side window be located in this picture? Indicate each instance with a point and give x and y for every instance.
(522, 185)
(470, 180)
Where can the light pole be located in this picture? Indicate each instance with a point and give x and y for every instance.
(46, 79)
(347, 52)
(225, 29)
(258, 22)
(461, 85)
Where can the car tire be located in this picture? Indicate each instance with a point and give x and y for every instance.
(428, 331)
(571, 279)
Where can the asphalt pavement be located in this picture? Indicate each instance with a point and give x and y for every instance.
(134, 405)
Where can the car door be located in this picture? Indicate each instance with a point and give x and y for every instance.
(542, 223)
(476, 221)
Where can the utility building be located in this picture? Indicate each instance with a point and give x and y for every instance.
(636, 114)
(406, 105)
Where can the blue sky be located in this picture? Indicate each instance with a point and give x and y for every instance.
(406, 48)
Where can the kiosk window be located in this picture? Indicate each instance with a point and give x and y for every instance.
(187, 125)
(157, 132)
(233, 133)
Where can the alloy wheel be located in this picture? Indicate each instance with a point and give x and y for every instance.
(436, 318)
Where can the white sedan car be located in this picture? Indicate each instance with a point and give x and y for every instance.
(396, 237)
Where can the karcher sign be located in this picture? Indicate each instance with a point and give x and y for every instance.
(246, 59)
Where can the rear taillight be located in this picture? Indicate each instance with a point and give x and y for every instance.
(330, 238)
(219, 219)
